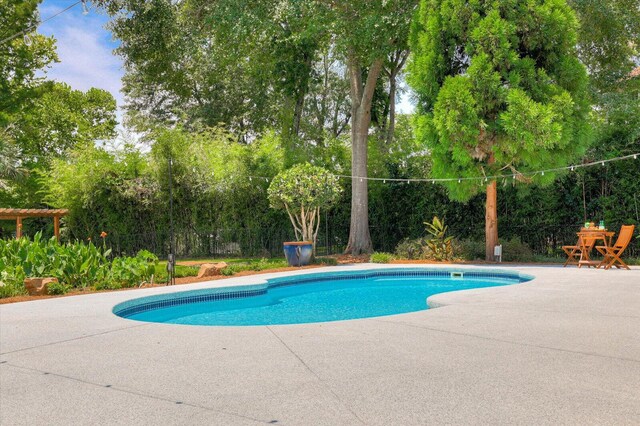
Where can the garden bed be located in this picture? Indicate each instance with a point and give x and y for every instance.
(179, 281)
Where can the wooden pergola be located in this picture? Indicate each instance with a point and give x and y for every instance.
(19, 214)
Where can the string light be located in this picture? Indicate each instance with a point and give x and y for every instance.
(85, 8)
(481, 178)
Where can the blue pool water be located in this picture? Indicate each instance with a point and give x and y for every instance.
(310, 298)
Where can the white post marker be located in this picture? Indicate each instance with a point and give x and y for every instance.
(497, 253)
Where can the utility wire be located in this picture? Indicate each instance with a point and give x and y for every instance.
(34, 26)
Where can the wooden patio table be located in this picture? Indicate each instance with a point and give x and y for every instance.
(592, 234)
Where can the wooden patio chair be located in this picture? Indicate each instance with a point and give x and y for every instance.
(612, 254)
(575, 252)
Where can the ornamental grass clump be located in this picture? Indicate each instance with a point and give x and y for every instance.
(302, 191)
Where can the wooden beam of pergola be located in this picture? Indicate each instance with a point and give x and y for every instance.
(19, 214)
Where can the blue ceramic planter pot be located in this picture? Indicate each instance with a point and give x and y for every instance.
(298, 253)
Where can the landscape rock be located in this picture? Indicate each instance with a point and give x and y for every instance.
(210, 269)
(38, 286)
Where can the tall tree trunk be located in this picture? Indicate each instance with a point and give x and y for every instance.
(361, 97)
(491, 220)
(397, 62)
(392, 109)
(297, 114)
(491, 217)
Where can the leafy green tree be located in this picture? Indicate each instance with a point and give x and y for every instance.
(302, 190)
(245, 64)
(20, 58)
(609, 39)
(500, 88)
(9, 164)
(366, 32)
(62, 118)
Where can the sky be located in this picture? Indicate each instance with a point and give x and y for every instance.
(85, 49)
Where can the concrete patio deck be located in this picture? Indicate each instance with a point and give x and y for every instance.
(561, 349)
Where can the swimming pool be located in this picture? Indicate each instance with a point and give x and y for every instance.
(315, 297)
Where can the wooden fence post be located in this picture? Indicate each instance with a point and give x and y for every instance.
(18, 228)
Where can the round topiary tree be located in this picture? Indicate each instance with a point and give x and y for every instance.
(302, 190)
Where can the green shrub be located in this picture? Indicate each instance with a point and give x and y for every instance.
(437, 246)
(470, 249)
(130, 271)
(58, 288)
(260, 265)
(108, 285)
(412, 249)
(515, 250)
(11, 288)
(381, 257)
(233, 269)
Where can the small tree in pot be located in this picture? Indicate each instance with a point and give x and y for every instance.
(302, 190)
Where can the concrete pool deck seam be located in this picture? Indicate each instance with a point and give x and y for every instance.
(337, 397)
(133, 392)
(511, 342)
(487, 306)
(75, 338)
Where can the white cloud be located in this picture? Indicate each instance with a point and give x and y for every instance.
(85, 49)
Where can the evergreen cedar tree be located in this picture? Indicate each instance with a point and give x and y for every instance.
(500, 90)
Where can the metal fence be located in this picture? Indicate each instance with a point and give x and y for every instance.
(544, 240)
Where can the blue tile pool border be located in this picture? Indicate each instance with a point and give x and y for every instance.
(144, 304)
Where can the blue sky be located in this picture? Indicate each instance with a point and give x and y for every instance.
(85, 48)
